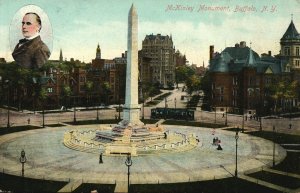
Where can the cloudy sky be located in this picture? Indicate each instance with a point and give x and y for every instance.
(79, 25)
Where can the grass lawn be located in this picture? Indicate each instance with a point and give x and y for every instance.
(91, 122)
(4, 130)
(228, 185)
(24, 185)
(192, 123)
(292, 162)
(278, 179)
(88, 187)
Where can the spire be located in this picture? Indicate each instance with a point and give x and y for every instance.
(98, 52)
(291, 32)
(61, 56)
(250, 62)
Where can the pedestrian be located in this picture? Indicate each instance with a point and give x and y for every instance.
(223, 115)
(290, 126)
(100, 159)
(219, 147)
(28, 121)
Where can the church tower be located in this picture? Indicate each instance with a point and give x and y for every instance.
(290, 46)
(60, 56)
(98, 52)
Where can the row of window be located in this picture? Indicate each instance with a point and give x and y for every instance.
(287, 51)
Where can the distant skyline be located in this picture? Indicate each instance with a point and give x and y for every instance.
(79, 25)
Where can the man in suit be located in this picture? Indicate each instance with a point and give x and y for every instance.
(31, 52)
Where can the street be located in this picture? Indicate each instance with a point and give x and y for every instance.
(281, 124)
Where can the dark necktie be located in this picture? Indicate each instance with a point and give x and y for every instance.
(22, 41)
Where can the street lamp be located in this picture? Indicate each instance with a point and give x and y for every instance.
(243, 122)
(128, 163)
(8, 113)
(273, 145)
(236, 147)
(143, 117)
(226, 116)
(23, 161)
(8, 97)
(97, 108)
(74, 119)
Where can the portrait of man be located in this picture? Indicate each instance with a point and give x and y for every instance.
(31, 52)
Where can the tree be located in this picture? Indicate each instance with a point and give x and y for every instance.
(42, 96)
(106, 91)
(89, 89)
(66, 93)
(183, 72)
(284, 91)
(193, 84)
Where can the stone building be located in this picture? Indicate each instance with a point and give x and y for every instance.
(160, 50)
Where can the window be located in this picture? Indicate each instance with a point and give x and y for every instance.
(221, 98)
(222, 90)
(50, 90)
(297, 63)
(235, 80)
(287, 51)
(297, 51)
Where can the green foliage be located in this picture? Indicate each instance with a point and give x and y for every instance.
(89, 86)
(66, 91)
(283, 90)
(183, 72)
(193, 83)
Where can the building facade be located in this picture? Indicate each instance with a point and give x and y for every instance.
(159, 49)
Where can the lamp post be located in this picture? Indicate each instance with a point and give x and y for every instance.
(74, 119)
(243, 121)
(215, 115)
(175, 100)
(143, 117)
(273, 145)
(128, 163)
(236, 147)
(226, 116)
(97, 108)
(260, 126)
(8, 97)
(23, 160)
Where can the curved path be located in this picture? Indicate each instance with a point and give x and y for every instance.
(48, 158)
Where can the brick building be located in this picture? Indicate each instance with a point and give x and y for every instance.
(241, 79)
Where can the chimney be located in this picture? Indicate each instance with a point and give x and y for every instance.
(123, 55)
(211, 52)
(242, 44)
(237, 45)
(269, 53)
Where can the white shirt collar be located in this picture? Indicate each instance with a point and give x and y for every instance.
(32, 37)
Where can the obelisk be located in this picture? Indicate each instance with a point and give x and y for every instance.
(131, 111)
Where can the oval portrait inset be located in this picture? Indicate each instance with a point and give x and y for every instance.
(31, 37)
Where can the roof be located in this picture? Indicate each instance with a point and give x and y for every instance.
(291, 33)
(240, 53)
(244, 57)
(158, 36)
(220, 63)
(250, 61)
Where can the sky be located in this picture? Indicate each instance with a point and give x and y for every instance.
(77, 26)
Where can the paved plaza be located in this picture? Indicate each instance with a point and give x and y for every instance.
(48, 158)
